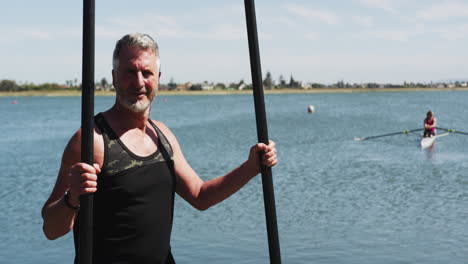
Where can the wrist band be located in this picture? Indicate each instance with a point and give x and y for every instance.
(66, 198)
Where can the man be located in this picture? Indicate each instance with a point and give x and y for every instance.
(430, 123)
(138, 167)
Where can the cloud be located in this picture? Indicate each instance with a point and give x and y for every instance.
(36, 34)
(397, 34)
(324, 16)
(32, 33)
(312, 35)
(286, 21)
(444, 10)
(368, 66)
(180, 26)
(226, 32)
(362, 20)
(150, 23)
(453, 32)
(387, 5)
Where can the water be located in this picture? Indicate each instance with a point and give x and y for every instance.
(338, 200)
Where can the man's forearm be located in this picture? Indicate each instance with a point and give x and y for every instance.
(58, 219)
(218, 189)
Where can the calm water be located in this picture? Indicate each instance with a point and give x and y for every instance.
(338, 200)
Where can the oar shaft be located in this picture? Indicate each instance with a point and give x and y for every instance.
(385, 135)
(262, 132)
(85, 244)
(395, 133)
(452, 130)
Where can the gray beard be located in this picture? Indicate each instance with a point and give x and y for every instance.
(138, 106)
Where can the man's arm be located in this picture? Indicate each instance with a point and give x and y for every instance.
(76, 178)
(201, 194)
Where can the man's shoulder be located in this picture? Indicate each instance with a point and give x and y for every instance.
(165, 130)
(159, 124)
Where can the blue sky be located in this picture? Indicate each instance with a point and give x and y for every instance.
(356, 41)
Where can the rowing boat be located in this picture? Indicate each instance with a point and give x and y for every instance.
(426, 142)
(429, 141)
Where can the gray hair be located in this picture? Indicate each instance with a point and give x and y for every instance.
(141, 41)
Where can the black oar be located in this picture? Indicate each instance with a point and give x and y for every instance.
(390, 134)
(85, 244)
(452, 130)
(262, 132)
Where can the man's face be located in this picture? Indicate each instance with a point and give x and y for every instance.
(136, 78)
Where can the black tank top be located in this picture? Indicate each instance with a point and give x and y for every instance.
(134, 202)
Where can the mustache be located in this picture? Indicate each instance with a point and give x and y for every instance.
(136, 90)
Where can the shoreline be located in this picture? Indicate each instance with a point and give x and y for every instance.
(234, 92)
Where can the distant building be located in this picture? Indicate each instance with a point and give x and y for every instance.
(105, 87)
(205, 86)
(184, 87)
(241, 86)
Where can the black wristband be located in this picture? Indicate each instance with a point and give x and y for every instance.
(66, 198)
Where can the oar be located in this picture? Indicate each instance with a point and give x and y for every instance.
(391, 134)
(85, 238)
(262, 132)
(452, 131)
(441, 135)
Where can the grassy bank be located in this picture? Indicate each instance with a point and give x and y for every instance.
(226, 92)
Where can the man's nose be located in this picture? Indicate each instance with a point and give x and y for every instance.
(140, 79)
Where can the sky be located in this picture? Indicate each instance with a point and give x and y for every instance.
(355, 41)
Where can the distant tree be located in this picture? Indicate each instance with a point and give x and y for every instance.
(220, 86)
(281, 82)
(340, 84)
(48, 86)
(102, 85)
(9, 85)
(196, 87)
(318, 85)
(104, 82)
(232, 86)
(293, 83)
(172, 85)
(268, 82)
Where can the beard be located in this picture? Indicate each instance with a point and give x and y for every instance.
(139, 106)
(135, 106)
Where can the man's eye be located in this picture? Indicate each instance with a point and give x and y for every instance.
(147, 73)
